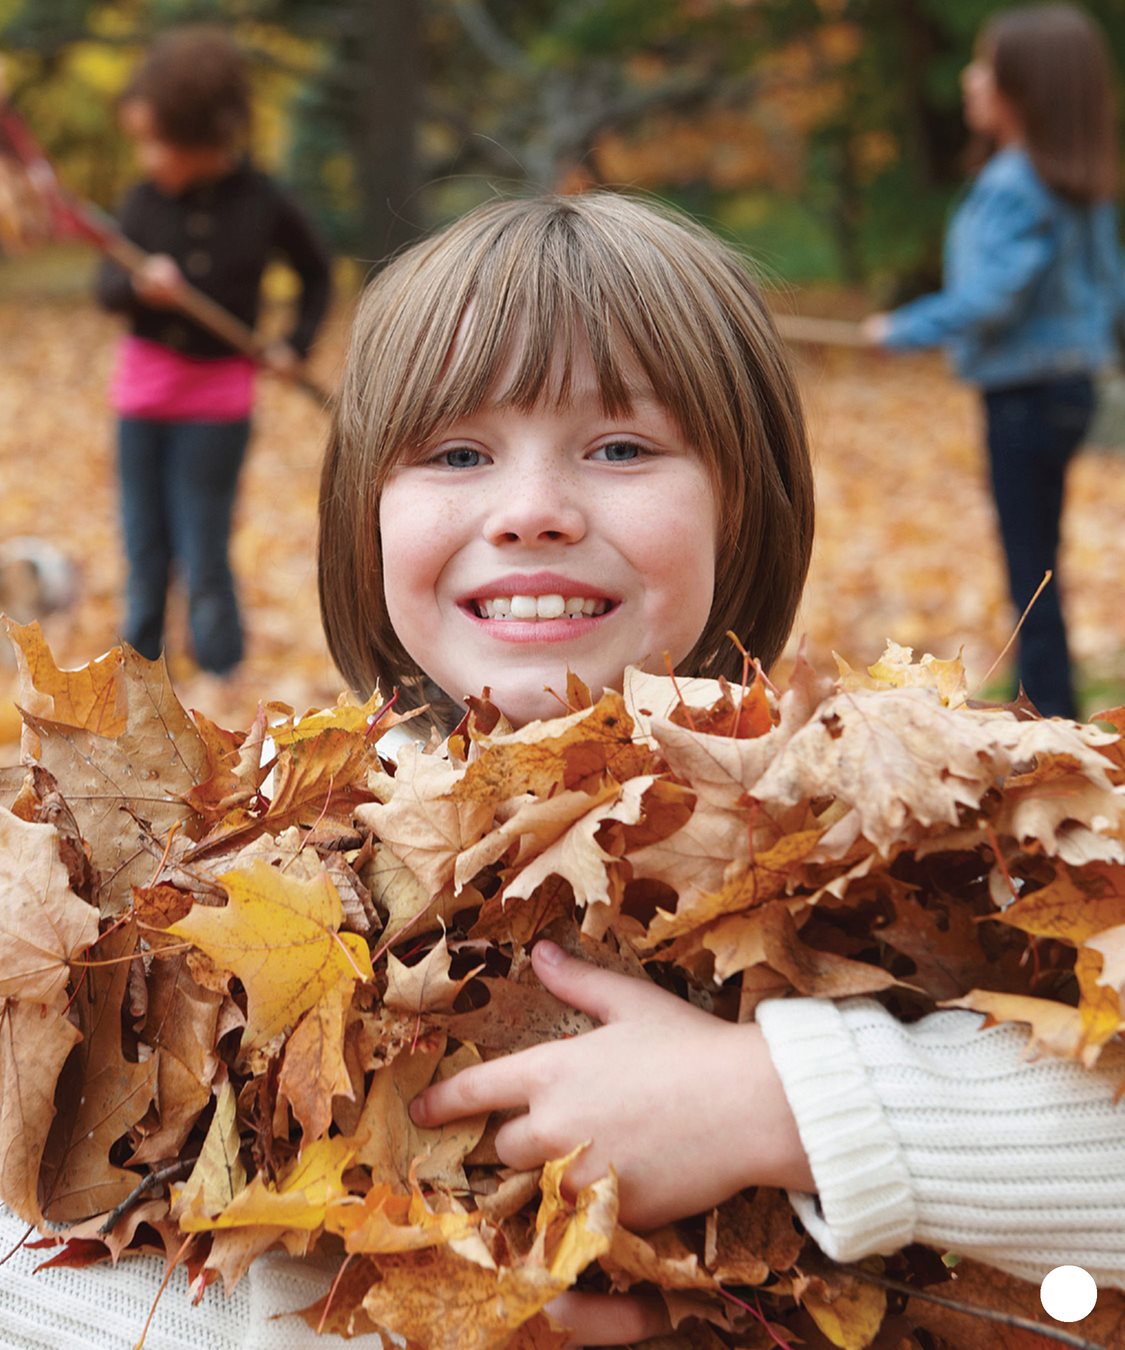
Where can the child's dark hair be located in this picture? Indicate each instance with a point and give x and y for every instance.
(529, 285)
(1052, 64)
(195, 81)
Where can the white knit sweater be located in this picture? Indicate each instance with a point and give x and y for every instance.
(939, 1132)
(936, 1132)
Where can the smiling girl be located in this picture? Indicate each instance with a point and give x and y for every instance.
(568, 438)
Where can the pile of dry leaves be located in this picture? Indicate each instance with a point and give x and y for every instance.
(231, 959)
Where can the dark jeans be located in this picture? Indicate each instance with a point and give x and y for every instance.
(1033, 432)
(178, 485)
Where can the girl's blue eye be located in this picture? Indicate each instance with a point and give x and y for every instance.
(462, 457)
(618, 452)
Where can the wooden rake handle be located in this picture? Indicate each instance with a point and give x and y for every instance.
(821, 332)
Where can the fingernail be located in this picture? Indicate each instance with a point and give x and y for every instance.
(418, 1113)
(550, 952)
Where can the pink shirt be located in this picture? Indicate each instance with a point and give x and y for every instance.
(151, 380)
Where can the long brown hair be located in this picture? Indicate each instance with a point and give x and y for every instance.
(529, 284)
(1052, 64)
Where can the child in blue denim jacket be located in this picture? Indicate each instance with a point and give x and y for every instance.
(1033, 290)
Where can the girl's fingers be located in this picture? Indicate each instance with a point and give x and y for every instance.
(519, 1145)
(498, 1085)
(602, 993)
(610, 1319)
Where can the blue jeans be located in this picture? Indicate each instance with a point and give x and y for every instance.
(1033, 432)
(178, 485)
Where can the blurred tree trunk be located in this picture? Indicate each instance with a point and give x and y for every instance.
(383, 57)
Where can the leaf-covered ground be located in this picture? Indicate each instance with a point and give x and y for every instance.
(906, 546)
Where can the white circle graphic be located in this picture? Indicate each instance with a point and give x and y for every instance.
(1068, 1293)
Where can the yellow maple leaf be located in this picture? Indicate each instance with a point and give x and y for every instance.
(387, 1221)
(847, 1310)
(92, 697)
(218, 1175)
(300, 1199)
(1055, 1027)
(280, 937)
(897, 669)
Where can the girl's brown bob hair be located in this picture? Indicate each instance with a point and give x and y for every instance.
(527, 285)
(1052, 64)
(195, 81)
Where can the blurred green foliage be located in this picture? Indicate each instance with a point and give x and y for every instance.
(825, 134)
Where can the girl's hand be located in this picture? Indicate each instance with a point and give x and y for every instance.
(687, 1108)
(875, 329)
(610, 1319)
(159, 282)
(280, 359)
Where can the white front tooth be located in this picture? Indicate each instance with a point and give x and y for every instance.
(501, 608)
(588, 607)
(525, 607)
(574, 606)
(550, 606)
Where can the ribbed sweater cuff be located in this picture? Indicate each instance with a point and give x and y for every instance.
(864, 1201)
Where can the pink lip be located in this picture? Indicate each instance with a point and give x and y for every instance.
(522, 631)
(535, 583)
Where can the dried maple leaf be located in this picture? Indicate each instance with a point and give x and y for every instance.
(385, 1220)
(103, 1095)
(313, 1071)
(576, 856)
(35, 1041)
(43, 924)
(751, 1235)
(534, 825)
(281, 938)
(425, 986)
(568, 752)
(423, 824)
(765, 879)
(893, 757)
(516, 1017)
(141, 773)
(388, 1142)
(445, 1301)
(661, 1258)
(181, 1022)
(818, 974)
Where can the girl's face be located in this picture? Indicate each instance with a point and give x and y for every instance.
(173, 168)
(518, 544)
(987, 111)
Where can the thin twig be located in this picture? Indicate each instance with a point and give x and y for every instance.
(172, 1264)
(989, 1314)
(332, 1292)
(8, 1255)
(1047, 575)
(172, 1172)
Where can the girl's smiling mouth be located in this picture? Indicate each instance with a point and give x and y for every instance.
(540, 606)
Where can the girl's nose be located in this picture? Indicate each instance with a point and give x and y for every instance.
(542, 507)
